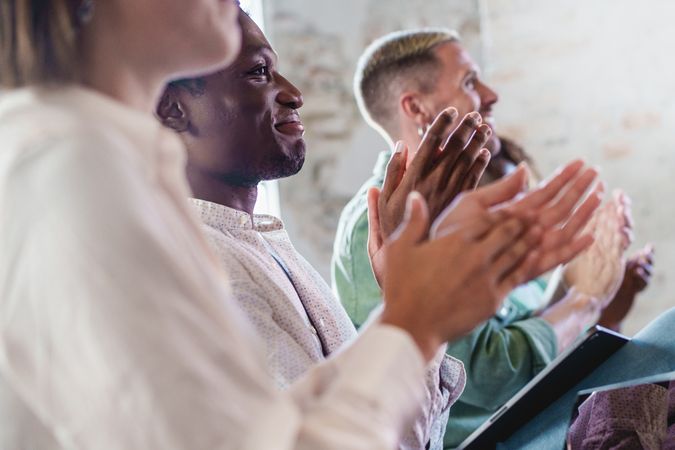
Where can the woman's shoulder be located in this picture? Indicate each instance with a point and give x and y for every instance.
(31, 113)
(38, 126)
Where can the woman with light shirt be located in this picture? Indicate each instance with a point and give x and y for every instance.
(116, 327)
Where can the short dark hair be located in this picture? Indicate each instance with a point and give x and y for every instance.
(38, 42)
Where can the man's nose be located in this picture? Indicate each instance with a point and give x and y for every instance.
(289, 95)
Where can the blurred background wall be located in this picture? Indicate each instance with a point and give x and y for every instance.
(589, 78)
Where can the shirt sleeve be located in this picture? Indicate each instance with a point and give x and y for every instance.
(353, 281)
(445, 379)
(117, 333)
(500, 359)
(348, 405)
(622, 419)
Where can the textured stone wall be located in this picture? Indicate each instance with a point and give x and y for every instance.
(318, 44)
(576, 78)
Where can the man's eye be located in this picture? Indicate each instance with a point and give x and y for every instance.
(260, 71)
(471, 83)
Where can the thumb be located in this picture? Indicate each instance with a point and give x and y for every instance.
(415, 225)
(374, 234)
(504, 189)
(395, 169)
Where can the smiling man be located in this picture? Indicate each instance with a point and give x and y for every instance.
(241, 126)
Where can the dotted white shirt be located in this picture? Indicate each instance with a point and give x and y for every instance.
(296, 319)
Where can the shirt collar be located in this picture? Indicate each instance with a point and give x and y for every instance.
(381, 164)
(224, 218)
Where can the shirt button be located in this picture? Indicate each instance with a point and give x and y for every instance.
(313, 330)
(243, 220)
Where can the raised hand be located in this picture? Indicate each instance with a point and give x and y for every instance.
(599, 270)
(445, 164)
(553, 202)
(636, 279)
(434, 304)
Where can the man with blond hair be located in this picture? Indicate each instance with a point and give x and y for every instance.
(402, 81)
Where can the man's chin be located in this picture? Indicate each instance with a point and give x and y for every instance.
(286, 168)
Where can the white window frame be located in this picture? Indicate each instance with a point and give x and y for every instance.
(268, 191)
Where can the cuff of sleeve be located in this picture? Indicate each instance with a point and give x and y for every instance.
(280, 411)
(390, 368)
(541, 339)
(453, 378)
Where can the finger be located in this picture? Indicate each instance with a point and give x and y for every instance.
(647, 269)
(415, 225)
(647, 253)
(395, 170)
(374, 233)
(625, 219)
(624, 202)
(476, 171)
(501, 237)
(518, 275)
(504, 189)
(641, 280)
(431, 141)
(582, 215)
(628, 237)
(563, 206)
(551, 187)
(459, 139)
(455, 173)
(549, 259)
(513, 256)
(478, 227)
(642, 275)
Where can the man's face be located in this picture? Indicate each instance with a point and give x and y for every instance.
(245, 127)
(459, 85)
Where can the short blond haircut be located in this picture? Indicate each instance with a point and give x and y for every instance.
(393, 63)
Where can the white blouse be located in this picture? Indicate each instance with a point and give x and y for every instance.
(117, 330)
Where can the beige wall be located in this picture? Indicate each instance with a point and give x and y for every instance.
(576, 78)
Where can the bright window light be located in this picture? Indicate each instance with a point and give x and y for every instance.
(268, 191)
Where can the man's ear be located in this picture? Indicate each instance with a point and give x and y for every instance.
(414, 108)
(171, 112)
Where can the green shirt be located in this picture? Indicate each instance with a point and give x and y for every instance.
(500, 356)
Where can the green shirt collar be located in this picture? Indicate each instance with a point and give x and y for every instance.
(381, 165)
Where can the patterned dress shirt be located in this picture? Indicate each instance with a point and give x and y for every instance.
(295, 313)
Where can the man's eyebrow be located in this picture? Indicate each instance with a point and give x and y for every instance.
(472, 72)
(259, 48)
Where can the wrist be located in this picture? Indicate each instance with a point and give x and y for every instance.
(587, 308)
(426, 341)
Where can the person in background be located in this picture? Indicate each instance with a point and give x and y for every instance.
(118, 326)
(402, 81)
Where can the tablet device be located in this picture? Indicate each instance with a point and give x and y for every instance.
(567, 369)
